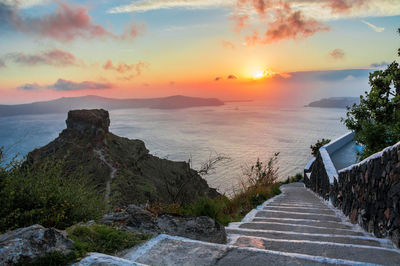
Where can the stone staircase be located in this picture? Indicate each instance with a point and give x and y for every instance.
(294, 228)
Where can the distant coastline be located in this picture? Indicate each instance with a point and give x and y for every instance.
(64, 104)
(335, 102)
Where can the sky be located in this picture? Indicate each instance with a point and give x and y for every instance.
(271, 50)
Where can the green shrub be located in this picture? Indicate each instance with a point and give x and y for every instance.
(42, 196)
(291, 179)
(103, 239)
(259, 185)
(315, 148)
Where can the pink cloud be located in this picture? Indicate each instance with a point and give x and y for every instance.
(337, 54)
(240, 22)
(288, 24)
(53, 57)
(122, 67)
(344, 6)
(65, 24)
(67, 85)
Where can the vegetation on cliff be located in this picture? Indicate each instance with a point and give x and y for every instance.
(43, 196)
(376, 120)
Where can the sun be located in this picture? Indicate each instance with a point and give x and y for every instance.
(259, 74)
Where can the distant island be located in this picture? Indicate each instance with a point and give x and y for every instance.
(65, 104)
(335, 102)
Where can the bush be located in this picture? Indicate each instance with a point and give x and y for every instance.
(315, 148)
(259, 185)
(291, 179)
(103, 239)
(42, 196)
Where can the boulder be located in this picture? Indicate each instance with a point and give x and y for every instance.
(27, 244)
(137, 219)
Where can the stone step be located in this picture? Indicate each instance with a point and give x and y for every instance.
(297, 215)
(345, 239)
(303, 210)
(288, 206)
(367, 254)
(296, 228)
(169, 250)
(327, 224)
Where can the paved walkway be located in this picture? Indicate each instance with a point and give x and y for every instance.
(294, 228)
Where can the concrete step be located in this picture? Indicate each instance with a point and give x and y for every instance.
(297, 228)
(303, 210)
(327, 224)
(297, 215)
(362, 253)
(169, 250)
(345, 239)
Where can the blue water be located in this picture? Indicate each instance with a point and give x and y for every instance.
(242, 131)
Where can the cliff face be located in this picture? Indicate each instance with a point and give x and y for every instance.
(122, 169)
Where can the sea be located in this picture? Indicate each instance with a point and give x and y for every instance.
(242, 131)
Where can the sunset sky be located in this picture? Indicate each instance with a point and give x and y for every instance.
(230, 49)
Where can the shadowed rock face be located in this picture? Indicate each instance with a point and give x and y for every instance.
(119, 167)
(89, 122)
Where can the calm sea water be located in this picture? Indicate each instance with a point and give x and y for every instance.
(242, 131)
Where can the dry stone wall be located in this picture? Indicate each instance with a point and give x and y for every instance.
(367, 192)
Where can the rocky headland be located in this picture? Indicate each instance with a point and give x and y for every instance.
(122, 169)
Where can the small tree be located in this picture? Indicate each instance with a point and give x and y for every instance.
(376, 120)
(315, 148)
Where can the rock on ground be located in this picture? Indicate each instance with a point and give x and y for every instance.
(30, 243)
(137, 219)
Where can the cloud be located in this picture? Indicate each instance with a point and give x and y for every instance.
(2, 63)
(29, 87)
(218, 79)
(231, 77)
(343, 6)
(337, 54)
(372, 26)
(66, 85)
(288, 24)
(54, 57)
(121, 67)
(380, 65)
(240, 21)
(148, 5)
(227, 44)
(66, 23)
(24, 3)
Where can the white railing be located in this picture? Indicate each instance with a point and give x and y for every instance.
(330, 148)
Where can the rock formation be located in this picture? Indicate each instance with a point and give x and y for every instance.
(120, 167)
(25, 245)
(139, 220)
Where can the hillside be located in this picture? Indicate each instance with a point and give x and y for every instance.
(122, 169)
(63, 105)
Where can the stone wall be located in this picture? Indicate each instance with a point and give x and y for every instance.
(369, 193)
(319, 179)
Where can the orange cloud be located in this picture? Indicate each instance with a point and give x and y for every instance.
(227, 44)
